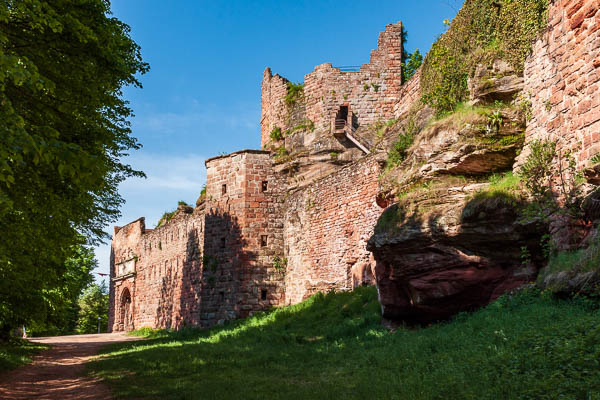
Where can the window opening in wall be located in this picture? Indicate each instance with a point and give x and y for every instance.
(263, 240)
(265, 185)
(222, 243)
(224, 189)
(222, 296)
(263, 294)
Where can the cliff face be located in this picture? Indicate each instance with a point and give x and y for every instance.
(451, 249)
(457, 234)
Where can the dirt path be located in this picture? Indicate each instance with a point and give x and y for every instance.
(57, 373)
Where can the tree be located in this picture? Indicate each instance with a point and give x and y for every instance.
(61, 304)
(410, 67)
(63, 132)
(93, 304)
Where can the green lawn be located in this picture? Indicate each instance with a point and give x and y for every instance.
(17, 352)
(332, 347)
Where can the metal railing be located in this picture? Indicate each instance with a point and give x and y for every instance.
(349, 68)
(340, 124)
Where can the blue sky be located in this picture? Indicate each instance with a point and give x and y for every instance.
(201, 97)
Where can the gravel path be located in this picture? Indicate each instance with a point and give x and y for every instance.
(58, 373)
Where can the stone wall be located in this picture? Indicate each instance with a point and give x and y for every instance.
(562, 76)
(327, 225)
(371, 93)
(410, 93)
(207, 265)
(244, 232)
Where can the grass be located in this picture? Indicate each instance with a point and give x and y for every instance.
(332, 346)
(17, 352)
(574, 261)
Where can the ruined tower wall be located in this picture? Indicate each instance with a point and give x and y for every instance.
(562, 76)
(372, 92)
(274, 111)
(410, 93)
(243, 234)
(327, 225)
(164, 261)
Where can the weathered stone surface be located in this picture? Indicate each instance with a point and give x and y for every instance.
(496, 82)
(449, 254)
(562, 76)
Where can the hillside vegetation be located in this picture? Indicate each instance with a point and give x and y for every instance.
(527, 346)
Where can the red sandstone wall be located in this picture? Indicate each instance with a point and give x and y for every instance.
(327, 225)
(327, 88)
(167, 259)
(209, 266)
(562, 76)
(273, 108)
(410, 93)
(241, 216)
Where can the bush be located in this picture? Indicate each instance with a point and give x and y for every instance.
(294, 94)
(276, 134)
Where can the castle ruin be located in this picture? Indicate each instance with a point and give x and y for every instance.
(279, 224)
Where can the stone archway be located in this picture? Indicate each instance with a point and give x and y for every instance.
(125, 311)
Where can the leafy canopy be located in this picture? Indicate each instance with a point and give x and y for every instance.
(63, 132)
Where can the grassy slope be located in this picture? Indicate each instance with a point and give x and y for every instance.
(332, 346)
(18, 352)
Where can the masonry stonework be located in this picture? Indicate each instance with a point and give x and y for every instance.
(274, 230)
(562, 76)
(327, 226)
(371, 93)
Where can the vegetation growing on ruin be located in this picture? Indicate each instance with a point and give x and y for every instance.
(305, 125)
(552, 180)
(332, 345)
(574, 261)
(482, 31)
(276, 134)
(399, 149)
(64, 132)
(411, 64)
(295, 93)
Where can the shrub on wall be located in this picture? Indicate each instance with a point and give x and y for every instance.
(482, 31)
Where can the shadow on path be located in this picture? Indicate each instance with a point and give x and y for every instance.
(58, 373)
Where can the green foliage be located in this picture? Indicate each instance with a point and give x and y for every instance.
(280, 264)
(280, 154)
(306, 125)
(482, 31)
(537, 171)
(203, 191)
(16, 352)
(210, 263)
(276, 134)
(295, 93)
(61, 307)
(410, 67)
(552, 180)
(375, 87)
(523, 346)
(595, 159)
(63, 135)
(93, 304)
(166, 217)
(365, 87)
(182, 203)
(495, 120)
(575, 261)
(334, 155)
(399, 149)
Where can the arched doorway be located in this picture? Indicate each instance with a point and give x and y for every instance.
(126, 312)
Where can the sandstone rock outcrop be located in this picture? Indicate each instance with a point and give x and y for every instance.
(447, 250)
